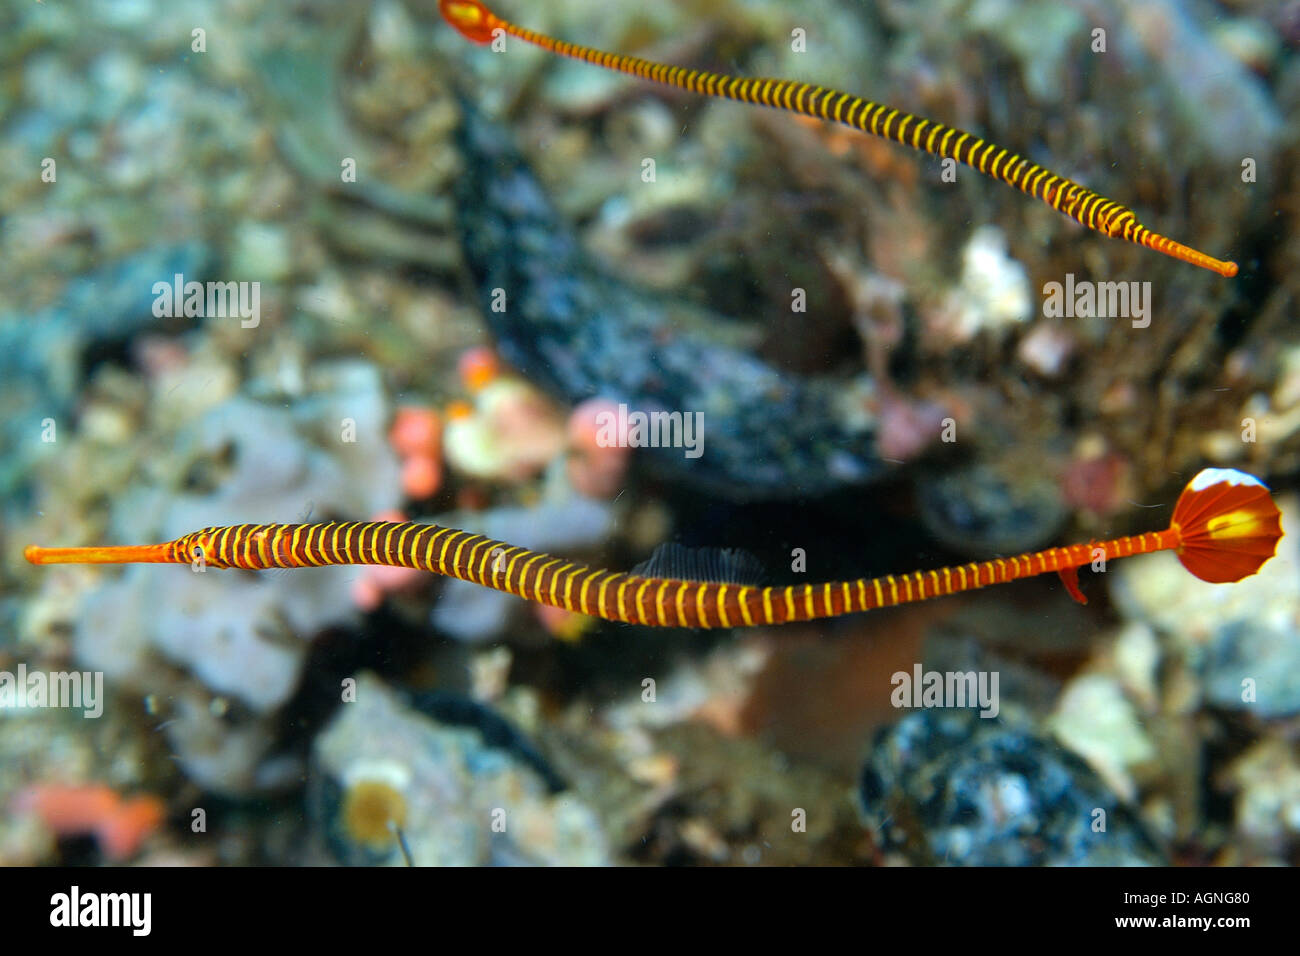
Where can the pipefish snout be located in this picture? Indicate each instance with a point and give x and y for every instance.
(1225, 526)
(479, 24)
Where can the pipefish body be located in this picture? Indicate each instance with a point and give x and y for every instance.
(1225, 526)
(480, 25)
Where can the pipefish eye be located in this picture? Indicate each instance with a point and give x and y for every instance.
(197, 547)
(1115, 224)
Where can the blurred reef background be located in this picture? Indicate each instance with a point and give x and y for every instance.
(378, 381)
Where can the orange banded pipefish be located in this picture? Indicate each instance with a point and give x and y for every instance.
(1224, 527)
(480, 25)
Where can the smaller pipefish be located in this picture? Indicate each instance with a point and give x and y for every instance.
(479, 24)
(1225, 526)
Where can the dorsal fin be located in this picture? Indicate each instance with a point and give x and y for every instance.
(718, 565)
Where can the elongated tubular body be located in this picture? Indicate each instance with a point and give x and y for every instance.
(479, 24)
(656, 602)
(1225, 526)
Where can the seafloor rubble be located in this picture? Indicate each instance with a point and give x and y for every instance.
(377, 380)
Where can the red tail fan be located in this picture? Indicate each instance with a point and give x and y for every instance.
(475, 21)
(1227, 525)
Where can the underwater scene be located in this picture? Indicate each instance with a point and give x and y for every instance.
(708, 433)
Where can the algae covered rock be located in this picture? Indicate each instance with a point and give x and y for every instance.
(382, 766)
(951, 788)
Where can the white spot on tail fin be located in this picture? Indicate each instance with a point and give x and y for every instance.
(1208, 477)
